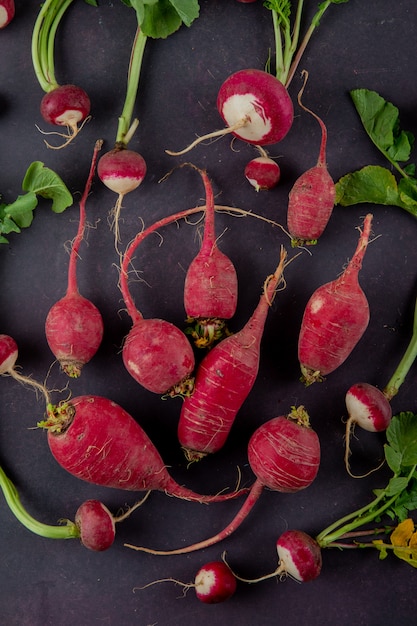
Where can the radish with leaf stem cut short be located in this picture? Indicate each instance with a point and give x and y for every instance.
(74, 325)
(62, 105)
(335, 318)
(262, 172)
(7, 11)
(311, 199)
(97, 441)
(93, 524)
(284, 455)
(224, 380)
(368, 406)
(211, 286)
(8, 357)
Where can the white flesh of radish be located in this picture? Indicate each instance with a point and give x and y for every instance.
(240, 106)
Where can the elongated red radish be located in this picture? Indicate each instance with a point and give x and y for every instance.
(211, 286)
(263, 173)
(311, 199)
(224, 380)
(74, 326)
(7, 12)
(335, 318)
(284, 455)
(8, 356)
(256, 107)
(214, 583)
(97, 441)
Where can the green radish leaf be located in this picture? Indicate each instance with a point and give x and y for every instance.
(188, 10)
(393, 459)
(402, 437)
(21, 210)
(396, 485)
(93, 3)
(45, 183)
(372, 183)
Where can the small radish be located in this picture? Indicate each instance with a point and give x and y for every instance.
(312, 197)
(66, 105)
(74, 325)
(8, 357)
(224, 380)
(7, 11)
(255, 106)
(335, 318)
(97, 441)
(284, 455)
(262, 172)
(214, 583)
(211, 287)
(93, 524)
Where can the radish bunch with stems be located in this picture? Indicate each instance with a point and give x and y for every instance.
(74, 325)
(62, 105)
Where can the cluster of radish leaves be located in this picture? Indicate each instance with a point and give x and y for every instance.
(38, 181)
(373, 183)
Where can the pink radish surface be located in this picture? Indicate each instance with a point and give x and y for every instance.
(74, 325)
(97, 441)
(224, 380)
(284, 454)
(214, 583)
(66, 105)
(335, 318)
(263, 173)
(96, 524)
(311, 199)
(299, 556)
(8, 354)
(7, 12)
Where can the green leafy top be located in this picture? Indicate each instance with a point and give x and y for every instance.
(38, 181)
(160, 18)
(373, 183)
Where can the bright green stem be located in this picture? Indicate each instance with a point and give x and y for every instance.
(67, 531)
(43, 42)
(359, 518)
(125, 119)
(404, 365)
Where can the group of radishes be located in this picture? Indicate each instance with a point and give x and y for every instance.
(87, 435)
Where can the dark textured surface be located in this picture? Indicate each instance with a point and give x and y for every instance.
(59, 583)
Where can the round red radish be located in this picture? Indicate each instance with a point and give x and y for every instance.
(259, 102)
(74, 331)
(121, 170)
(96, 525)
(215, 583)
(299, 556)
(8, 354)
(157, 355)
(368, 407)
(67, 105)
(263, 173)
(7, 11)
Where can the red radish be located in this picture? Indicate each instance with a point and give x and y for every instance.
(96, 524)
(335, 318)
(224, 380)
(66, 105)
(214, 583)
(7, 11)
(74, 325)
(312, 197)
(211, 287)
(8, 357)
(284, 455)
(97, 441)
(256, 107)
(263, 173)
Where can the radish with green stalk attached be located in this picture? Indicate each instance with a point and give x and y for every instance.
(93, 524)
(370, 407)
(74, 325)
(62, 105)
(284, 455)
(335, 318)
(255, 104)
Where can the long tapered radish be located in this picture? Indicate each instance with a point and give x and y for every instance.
(74, 325)
(97, 441)
(284, 455)
(211, 286)
(256, 107)
(311, 199)
(224, 380)
(335, 318)
(7, 12)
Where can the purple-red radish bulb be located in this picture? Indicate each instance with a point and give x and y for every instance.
(157, 355)
(7, 11)
(299, 555)
(215, 583)
(260, 102)
(74, 331)
(67, 105)
(96, 525)
(121, 170)
(8, 353)
(263, 173)
(368, 407)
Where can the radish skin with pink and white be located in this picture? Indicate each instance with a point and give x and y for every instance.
(7, 12)
(368, 407)
(214, 583)
(299, 556)
(8, 354)
(263, 173)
